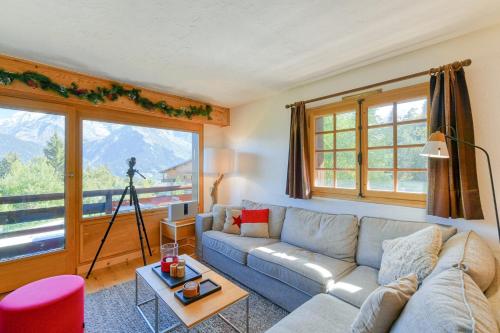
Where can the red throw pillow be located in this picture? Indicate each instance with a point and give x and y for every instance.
(254, 223)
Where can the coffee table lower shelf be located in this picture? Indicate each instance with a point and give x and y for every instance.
(155, 327)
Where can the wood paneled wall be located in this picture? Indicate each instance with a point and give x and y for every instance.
(123, 240)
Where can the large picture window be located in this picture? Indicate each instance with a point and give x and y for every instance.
(394, 130)
(167, 158)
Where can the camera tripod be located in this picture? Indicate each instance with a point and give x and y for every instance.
(134, 200)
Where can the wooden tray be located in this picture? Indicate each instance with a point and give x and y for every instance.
(207, 287)
(191, 274)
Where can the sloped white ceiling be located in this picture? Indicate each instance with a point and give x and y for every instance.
(228, 52)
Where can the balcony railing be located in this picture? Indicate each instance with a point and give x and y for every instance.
(89, 209)
(55, 231)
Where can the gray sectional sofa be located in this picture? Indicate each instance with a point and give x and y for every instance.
(320, 266)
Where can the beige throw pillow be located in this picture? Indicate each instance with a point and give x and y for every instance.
(384, 305)
(470, 252)
(450, 302)
(416, 253)
(233, 221)
(219, 216)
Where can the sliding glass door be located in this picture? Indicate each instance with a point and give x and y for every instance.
(34, 187)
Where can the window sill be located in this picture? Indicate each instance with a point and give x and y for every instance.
(371, 199)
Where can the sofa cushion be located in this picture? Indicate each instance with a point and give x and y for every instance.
(233, 246)
(304, 270)
(450, 302)
(356, 286)
(384, 305)
(373, 231)
(332, 235)
(322, 313)
(468, 249)
(276, 216)
(416, 253)
(219, 216)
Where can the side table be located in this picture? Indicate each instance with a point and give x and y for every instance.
(181, 232)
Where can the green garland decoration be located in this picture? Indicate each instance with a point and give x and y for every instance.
(101, 94)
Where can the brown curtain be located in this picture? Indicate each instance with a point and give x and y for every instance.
(298, 183)
(453, 189)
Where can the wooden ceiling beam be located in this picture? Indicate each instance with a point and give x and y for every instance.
(220, 115)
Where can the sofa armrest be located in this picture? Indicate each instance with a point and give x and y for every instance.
(203, 223)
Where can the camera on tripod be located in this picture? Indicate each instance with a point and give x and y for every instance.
(131, 171)
(134, 201)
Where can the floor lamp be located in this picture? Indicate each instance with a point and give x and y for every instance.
(436, 148)
(217, 161)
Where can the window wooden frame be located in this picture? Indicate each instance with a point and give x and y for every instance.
(387, 98)
(384, 98)
(91, 228)
(332, 109)
(121, 118)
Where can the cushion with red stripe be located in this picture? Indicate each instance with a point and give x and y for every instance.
(254, 223)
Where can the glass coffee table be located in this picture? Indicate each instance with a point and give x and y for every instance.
(195, 313)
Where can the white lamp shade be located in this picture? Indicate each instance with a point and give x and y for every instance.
(218, 160)
(435, 146)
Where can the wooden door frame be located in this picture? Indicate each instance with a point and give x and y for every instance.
(47, 264)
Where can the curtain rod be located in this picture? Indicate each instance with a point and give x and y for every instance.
(456, 65)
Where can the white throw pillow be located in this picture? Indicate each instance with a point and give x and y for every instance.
(233, 221)
(416, 253)
(384, 305)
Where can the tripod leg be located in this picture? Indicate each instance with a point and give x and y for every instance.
(138, 222)
(107, 231)
(136, 203)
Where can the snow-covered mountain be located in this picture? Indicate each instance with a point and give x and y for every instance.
(27, 133)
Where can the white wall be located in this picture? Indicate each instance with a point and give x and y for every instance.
(213, 136)
(259, 131)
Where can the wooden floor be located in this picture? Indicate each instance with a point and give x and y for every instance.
(113, 275)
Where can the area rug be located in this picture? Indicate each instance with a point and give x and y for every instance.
(113, 310)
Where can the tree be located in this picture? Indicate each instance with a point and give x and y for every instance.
(54, 152)
(35, 177)
(6, 164)
(101, 178)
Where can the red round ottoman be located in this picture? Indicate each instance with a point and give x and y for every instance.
(50, 305)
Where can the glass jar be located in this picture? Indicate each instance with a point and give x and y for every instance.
(169, 256)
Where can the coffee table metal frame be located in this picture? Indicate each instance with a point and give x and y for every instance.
(156, 325)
